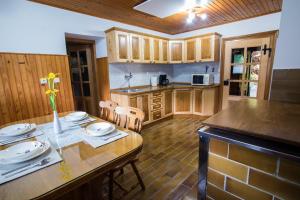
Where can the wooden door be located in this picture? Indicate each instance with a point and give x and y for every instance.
(82, 77)
(122, 46)
(168, 102)
(164, 51)
(155, 50)
(182, 100)
(245, 69)
(176, 51)
(135, 48)
(146, 49)
(190, 50)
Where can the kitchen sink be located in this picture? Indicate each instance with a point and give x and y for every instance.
(132, 90)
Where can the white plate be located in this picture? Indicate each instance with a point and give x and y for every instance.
(23, 151)
(100, 129)
(16, 130)
(76, 116)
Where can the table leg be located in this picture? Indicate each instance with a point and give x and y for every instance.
(203, 165)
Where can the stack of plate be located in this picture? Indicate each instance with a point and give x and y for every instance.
(22, 152)
(100, 129)
(76, 116)
(16, 130)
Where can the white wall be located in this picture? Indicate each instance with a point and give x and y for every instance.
(28, 27)
(287, 51)
(141, 73)
(244, 27)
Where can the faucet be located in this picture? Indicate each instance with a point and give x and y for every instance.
(128, 77)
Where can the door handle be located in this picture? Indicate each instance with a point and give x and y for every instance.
(226, 82)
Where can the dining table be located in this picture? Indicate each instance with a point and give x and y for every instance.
(81, 174)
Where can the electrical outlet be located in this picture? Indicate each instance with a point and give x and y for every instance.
(43, 81)
(56, 80)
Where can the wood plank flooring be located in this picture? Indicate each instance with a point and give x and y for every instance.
(168, 163)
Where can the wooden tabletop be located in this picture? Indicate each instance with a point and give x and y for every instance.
(81, 164)
(269, 120)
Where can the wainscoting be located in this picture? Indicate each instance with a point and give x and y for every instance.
(286, 85)
(22, 96)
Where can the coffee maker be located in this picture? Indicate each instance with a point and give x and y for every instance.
(163, 81)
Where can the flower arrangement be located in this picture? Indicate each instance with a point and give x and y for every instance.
(51, 90)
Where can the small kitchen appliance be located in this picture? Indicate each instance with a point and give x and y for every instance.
(154, 81)
(202, 79)
(163, 80)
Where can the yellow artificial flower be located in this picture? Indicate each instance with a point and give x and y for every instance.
(51, 75)
(48, 92)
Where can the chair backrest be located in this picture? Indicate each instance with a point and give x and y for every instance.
(130, 118)
(107, 110)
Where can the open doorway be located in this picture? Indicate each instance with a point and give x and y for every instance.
(81, 54)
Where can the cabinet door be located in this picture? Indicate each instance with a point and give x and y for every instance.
(146, 49)
(135, 48)
(155, 50)
(198, 101)
(122, 46)
(143, 104)
(133, 102)
(210, 101)
(210, 47)
(164, 51)
(190, 50)
(168, 102)
(176, 51)
(183, 101)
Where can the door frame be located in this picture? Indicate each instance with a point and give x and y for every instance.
(273, 35)
(92, 45)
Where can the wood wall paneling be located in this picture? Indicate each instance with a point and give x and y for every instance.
(22, 96)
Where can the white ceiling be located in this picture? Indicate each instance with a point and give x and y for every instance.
(165, 8)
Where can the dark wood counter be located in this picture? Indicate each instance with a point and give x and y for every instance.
(271, 128)
(269, 120)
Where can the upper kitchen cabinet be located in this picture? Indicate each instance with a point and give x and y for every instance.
(146, 49)
(135, 48)
(164, 53)
(209, 48)
(176, 51)
(191, 50)
(118, 46)
(129, 46)
(155, 50)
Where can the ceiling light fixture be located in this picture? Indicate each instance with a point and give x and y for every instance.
(195, 9)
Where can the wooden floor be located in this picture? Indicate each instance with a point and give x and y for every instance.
(168, 163)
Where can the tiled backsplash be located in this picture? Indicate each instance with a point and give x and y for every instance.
(143, 72)
(238, 173)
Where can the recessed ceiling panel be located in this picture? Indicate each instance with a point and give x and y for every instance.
(163, 8)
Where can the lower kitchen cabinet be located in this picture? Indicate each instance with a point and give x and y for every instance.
(183, 101)
(168, 102)
(161, 104)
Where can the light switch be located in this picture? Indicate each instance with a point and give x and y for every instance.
(43, 81)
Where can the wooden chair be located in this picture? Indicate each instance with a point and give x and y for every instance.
(107, 110)
(132, 119)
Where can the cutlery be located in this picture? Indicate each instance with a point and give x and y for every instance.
(26, 167)
(112, 136)
(16, 138)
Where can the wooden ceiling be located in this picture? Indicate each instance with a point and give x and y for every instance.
(219, 12)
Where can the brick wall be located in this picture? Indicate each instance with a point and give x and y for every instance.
(236, 173)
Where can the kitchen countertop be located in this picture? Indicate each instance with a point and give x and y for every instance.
(275, 121)
(147, 89)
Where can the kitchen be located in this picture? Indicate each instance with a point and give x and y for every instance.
(197, 99)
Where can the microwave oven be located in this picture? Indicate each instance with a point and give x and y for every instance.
(202, 79)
